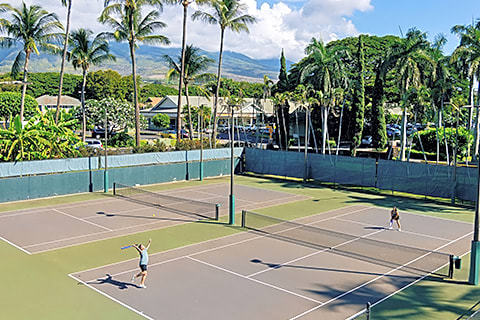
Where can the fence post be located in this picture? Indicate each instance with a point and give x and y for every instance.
(243, 218)
(217, 211)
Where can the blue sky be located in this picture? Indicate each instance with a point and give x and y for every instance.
(429, 16)
(291, 24)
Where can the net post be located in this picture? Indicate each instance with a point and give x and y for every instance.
(450, 267)
(217, 211)
(244, 213)
(114, 188)
(369, 311)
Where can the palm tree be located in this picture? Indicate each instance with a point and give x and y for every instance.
(35, 29)
(440, 81)
(185, 4)
(68, 4)
(323, 69)
(193, 64)
(84, 53)
(129, 24)
(410, 60)
(469, 51)
(228, 14)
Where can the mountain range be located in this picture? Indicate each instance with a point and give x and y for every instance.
(152, 66)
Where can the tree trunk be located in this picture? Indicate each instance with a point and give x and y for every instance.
(285, 132)
(217, 89)
(182, 71)
(436, 132)
(24, 85)
(324, 128)
(340, 128)
(135, 94)
(477, 123)
(278, 133)
(404, 133)
(64, 57)
(305, 158)
(190, 125)
(84, 120)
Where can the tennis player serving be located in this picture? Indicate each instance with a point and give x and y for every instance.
(142, 250)
(395, 216)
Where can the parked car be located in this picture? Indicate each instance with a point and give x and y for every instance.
(170, 134)
(99, 133)
(367, 140)
(93, 143)
(392, 131)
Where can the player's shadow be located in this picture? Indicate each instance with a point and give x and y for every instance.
(278, 266)
(375, 228)
(120, 284)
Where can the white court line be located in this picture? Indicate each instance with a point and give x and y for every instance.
(14, 245)
(378, 277)
(98, 233)
(254, 280)
(215, 248)
(111, 298)
(314, 253)
(402, 288)
(80, 219)
(212, 240)
(403, 231)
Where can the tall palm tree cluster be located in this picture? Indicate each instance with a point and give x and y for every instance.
(130, 21)
(419, 77)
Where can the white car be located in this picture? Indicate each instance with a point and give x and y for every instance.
(93, 143)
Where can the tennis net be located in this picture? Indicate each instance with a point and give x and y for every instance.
(169, 203)
(413, 260)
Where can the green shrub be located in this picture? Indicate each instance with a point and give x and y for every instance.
(145, 147)
(121, 140)
(429, 141)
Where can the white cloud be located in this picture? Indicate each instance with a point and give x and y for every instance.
(288, 24)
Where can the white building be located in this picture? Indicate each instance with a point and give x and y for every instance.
(251, 111)
(46, 103)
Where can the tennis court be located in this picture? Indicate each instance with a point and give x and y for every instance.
(324, 266)
(54, 227)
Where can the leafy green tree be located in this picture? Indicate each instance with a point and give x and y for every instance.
(194, 68)
(84, 53)
(132, 26)
(324, 71)
(161, 120)
(10, 105)
(68, 4)
(120, 113)
(108, 84)
(359, 98)
(378, 125)
(282, 84)
(228, 14)
(196, 112)
(35, 29)
(469, 52)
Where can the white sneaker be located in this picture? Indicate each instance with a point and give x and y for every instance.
(133, 278)
(389, 228)
(399, 229)
(143, 286)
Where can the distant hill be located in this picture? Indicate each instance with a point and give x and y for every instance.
(151, 66)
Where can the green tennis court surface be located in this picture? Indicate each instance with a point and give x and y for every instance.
(206, 269)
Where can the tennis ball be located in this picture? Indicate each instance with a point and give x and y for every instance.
(153, 215)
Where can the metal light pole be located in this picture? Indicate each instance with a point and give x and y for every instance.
(305, 160)
(232, 173)
(201, 144)
(105, 173)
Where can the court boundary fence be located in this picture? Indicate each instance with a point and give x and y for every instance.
(45, 178)
(415, 178)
